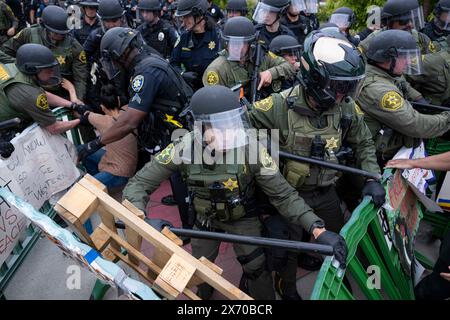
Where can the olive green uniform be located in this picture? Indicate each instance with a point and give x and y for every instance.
(222, 197)
(434, 81)
(423, 41)
(21, 97)
(392, 120)
(69, 53)
(7, 20)
(298, 125)
(230, 73)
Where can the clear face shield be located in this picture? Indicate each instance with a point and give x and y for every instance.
(415, 18)
(238, 48)
(312, 6)
(109, 66)
(409, 62)
(297, 6)
(342, 20)
(49, 77)
(226, 130)
(292, 55)
(265, 14)
(341, 87)
(443, 20)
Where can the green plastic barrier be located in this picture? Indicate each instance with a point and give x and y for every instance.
(367, 246)
(21, 250)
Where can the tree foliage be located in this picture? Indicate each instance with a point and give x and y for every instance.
(360, 8)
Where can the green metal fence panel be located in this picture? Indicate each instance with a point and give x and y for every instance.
(366, 246)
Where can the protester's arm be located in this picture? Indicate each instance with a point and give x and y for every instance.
(439, 162)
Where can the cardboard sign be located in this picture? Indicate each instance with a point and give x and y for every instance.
(41, 166)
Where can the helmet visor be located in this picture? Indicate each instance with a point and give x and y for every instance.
(295, 51)
(237, 48)
(298, 6)
(342, 20)
(225, 130)
(346, 86)
(49, 77)
(443, 20)
(265, 14)
(109, 67)
(414, 17)
(312, 6)
(411, 61)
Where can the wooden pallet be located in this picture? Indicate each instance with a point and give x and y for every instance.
(171, 270)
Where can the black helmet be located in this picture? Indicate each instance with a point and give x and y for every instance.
(239, 27)
(218, 109)
(54, 19)
(389, 45)
(238, 33)
(110, 9)
(442, 6)
(265, 7)
(89, 3)
(330, 66)
(32, 57)
(343, 17)
(285, 44)
(195, 8)
(403, 11)
(443, 22)
(237, 5)
(149, 5)
(113, 45)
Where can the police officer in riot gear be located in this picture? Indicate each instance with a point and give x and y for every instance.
(345, 18)
(89, 21)
(222, 194)
(22, 93)
(198, 44)
(111, 15)
(385, 96)
(54, 34)
(289, 49)
(158, 33)
(406, 15)
(214, 11)
(296, 22)
(267, 15)
(236, 64)
(157, 92)
(439, 28)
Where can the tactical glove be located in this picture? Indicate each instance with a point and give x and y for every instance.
(6, 149)
(338, 244)
(89, 148)
(376, 191)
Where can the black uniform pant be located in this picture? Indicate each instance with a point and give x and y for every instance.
(433, 286)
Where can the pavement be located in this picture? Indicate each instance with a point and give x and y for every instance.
(46, 274)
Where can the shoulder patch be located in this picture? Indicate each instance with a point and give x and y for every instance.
(167, 155)
(264, 105)
(266, 160)
(41, 102)
(392, 101)
(137, 83)
(212, 78)
(358, 110)
(82, 57)
(432, 47)
(4, 75)
(272, 55)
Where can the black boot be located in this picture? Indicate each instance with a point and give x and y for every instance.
(279, 287)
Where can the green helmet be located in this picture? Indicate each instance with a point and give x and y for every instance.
(31, 58)
(331, 67)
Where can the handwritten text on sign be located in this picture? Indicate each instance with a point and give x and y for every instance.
(41, 166)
